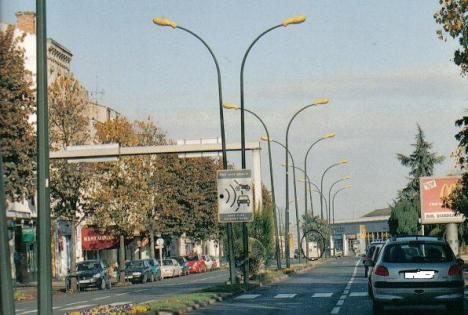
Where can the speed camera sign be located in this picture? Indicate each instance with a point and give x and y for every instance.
(235, 197)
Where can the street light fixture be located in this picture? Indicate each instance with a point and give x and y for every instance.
(294, 20)
(342, 162)
(273, 196)
(326, 136)
(169, 23)
(287, 251)
(320, 101)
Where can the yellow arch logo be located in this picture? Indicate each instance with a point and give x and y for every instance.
(447, 190)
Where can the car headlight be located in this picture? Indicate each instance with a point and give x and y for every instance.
(97, 276)
(137, 273)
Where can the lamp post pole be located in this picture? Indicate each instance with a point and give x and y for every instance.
(333, 202)
(321, 186)
(169, 23)
(273, 195)
(245, 237)
(330, 190)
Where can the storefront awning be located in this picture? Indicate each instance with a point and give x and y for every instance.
(94, 239)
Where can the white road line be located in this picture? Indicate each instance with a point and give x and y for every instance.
(77, 307)
(358, 294)
(322, 295)
(340, 302)
(344, 296)
(345, 291)
(335, 310)
(28, 312)
(247, 296)
(284, 296)
(74, 303)
(120, 294)
(141, 290)
(102, 298)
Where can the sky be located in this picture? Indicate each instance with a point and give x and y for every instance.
(379, 62)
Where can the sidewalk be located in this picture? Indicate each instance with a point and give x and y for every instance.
(29, 291)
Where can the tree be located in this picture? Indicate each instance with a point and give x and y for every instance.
(453, 17)
(17, 139)
(406, 208)
(316, 230)
(68, 125)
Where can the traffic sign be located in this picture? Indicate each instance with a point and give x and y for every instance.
(235, 197)
(160, 242)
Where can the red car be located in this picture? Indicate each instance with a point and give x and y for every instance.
(196, 264)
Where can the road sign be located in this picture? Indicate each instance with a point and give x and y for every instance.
(160, 242)
(235, 197)
(433, 190)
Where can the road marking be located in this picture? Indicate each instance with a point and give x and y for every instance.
(284, 296)
(141, 290)
(335, 310)
(340, 302)
(77, 307)
(247, 296)
(344, 296)
(74, 303)
(322, 295)
(120, 294)
(28, 312)
(102, 298)
(358, 294)
(345, 291)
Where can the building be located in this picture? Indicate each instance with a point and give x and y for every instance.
(353, 236)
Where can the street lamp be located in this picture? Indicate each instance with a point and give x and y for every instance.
(326, 136)
(321, 101)
(331, 187)
(273, 196)
(287, 207)
(169, 23)
(334, 195)
(342, 162)
(294, 20)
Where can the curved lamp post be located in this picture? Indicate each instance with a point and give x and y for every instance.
(166, 22)
(273, 196)
(294, 20)
(330, 190)
(342, 162)
(287, 208)
(327, 136)
(321, 101)
(334, 195)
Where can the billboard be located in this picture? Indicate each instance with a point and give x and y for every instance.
(433, 190)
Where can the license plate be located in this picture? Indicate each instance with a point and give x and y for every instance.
(86, 281)
(423, 274)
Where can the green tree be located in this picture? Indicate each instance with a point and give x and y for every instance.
(68, 125)
(17, 139)
(453, 16)
(406, 208)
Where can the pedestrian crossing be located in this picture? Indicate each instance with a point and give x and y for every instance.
(316, 295)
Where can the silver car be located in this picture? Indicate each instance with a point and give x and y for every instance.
(417, 270)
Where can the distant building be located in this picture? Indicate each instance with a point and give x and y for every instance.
(356, 234)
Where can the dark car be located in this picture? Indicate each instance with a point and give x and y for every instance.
(155, 269)
(183, 262)
(90, 273)
(138, 271)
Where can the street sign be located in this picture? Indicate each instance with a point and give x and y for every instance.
(235, 197)
(433, 190)
(160, 242)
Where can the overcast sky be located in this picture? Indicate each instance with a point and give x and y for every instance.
(379, 62)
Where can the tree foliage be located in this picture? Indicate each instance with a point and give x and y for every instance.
(17, 139)
(406, 208)
(453, 16)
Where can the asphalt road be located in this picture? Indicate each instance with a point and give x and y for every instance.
(137, 293)
(335, 288)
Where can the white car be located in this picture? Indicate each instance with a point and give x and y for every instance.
(170, 268)
(208, 262)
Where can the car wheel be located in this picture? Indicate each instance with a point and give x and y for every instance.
(152, 278)
(102, 285)
(456, 308)
(377, 308)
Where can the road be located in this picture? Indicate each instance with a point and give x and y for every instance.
(335, 288)
(137, 293)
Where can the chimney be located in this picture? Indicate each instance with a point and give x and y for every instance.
(26, 21)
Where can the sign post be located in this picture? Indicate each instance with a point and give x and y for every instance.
(235, 197)
(160, 243)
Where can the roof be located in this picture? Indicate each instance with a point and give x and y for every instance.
(378, 213)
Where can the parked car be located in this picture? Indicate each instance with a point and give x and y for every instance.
(155, 269)
(367, 257)
(89, 273)
(170, 268)
(208, 262)
(196, 264)
(417, 270)
(183, 262)
(138, 271)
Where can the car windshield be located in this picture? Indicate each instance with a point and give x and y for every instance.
(87, 266)
(134, 263)
(417, 252)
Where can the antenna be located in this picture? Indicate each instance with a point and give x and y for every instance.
(96, 93)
